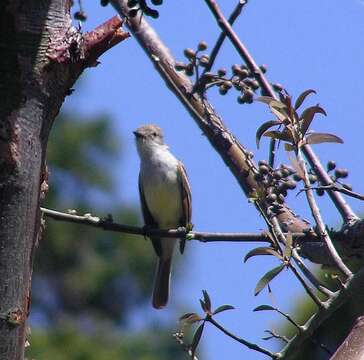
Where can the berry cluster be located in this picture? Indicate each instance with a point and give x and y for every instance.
(241, 78)
(277, 182)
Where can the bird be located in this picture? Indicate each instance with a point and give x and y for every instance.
(165, 197)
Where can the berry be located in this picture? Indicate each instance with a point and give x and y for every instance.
(202, 46)
(189, 53)
(331, 165)
(341, 173)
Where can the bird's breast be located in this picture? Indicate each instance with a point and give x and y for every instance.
(162, 193)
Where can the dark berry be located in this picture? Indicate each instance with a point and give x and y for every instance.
(320, 192)
(189, 53)
(331, 165)
(80, 15)
(341, 173)
(202, 46)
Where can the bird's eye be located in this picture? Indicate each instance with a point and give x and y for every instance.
(154, 134)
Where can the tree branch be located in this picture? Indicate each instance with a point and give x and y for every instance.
(319, 222)
(353, 286)
(353, 346)
(242, 341)
(235, 156)
(103, 38)
(234, 15)
(109, 225)
(42, 55)
(346, 212)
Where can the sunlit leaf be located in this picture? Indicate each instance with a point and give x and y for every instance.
(308, 115)
(268, 277)
(302, 97)
(223, 308)
(263, 128)
(264, 308)
(280, 113)
(278, 135)
(196, 339)
(318, 138)
(265, 99)
(189, 318)
(262, 251)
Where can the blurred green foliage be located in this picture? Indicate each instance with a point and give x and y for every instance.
(87, 282)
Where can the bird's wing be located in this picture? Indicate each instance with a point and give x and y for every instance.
(148, 218)
(186, 198)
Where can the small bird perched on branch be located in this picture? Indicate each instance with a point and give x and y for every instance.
(165, 198)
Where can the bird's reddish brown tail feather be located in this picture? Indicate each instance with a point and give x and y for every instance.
(161, 283)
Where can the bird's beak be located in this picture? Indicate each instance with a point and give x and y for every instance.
(137, 134)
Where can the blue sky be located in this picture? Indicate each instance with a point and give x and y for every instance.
(307, 44)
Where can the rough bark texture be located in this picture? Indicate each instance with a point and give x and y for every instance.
(41, 57)
(353, 346)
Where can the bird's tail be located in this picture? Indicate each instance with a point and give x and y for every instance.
(161, 283)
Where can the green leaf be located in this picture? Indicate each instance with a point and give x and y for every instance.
(264, 308)
(207, 300)
(190, 318)
(267, 278)
(288, 249)
(318, 138)
(308, 115)
(265, 250)
(302, 97)
(263, 128)
(223, 308)
(196, 339)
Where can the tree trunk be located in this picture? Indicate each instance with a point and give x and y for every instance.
(42, 55)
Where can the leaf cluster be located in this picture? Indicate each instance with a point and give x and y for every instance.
(292, 128)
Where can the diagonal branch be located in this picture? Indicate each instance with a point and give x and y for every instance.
(235, 156)
(244, 342)
(353, 286)
(234, 15)
(319, 222)
(346, 212)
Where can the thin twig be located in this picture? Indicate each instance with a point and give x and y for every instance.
(109, 225)
(274, 335)
(346, 212)
(250, 62)
(248, 344)
(289, 319)
(233, 16)
(352, 286)
(309, 275)
(334, 187)
(307, 287)
(277, 231)
(318, 219)
(343, 207)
